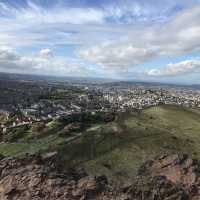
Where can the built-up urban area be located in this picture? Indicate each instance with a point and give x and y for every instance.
(26, 102)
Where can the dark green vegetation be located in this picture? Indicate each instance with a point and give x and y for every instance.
(117, 148)
(44, 136)
(61, 92)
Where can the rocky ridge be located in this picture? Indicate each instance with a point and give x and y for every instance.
(42, 177)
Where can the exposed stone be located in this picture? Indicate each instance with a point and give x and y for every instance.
(42, 177)
(168, 177)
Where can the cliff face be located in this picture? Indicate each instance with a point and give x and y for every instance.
(43, 177)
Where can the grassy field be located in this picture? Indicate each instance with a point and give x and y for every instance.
(118, 148)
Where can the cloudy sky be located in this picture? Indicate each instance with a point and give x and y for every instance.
(149, 40)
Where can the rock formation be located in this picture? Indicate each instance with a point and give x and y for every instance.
(168, 177)
(42, 177)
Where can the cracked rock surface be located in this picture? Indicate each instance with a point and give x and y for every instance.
(42, 177)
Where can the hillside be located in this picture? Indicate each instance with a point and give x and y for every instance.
(116, 148)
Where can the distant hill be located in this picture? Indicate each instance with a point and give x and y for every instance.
(32, 77)
(90, 80)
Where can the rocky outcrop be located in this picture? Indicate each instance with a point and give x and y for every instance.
(169, 177)
(42, 177)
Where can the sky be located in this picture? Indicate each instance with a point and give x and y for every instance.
(147, 40)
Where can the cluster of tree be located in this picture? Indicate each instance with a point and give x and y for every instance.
(89, 117)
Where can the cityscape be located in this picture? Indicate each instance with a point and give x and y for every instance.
(99, 100)
(50, 101)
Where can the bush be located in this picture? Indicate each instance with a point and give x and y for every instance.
(15, 134)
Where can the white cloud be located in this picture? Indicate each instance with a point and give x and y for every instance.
(7, 54)
(37, 14)
(181, 68)
(117, 56)
(110, 37)
(41, 63)
(46, 53)
(29, 25)
(36, 25)
(179, 36)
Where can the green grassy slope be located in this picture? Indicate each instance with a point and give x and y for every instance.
(118, 148)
